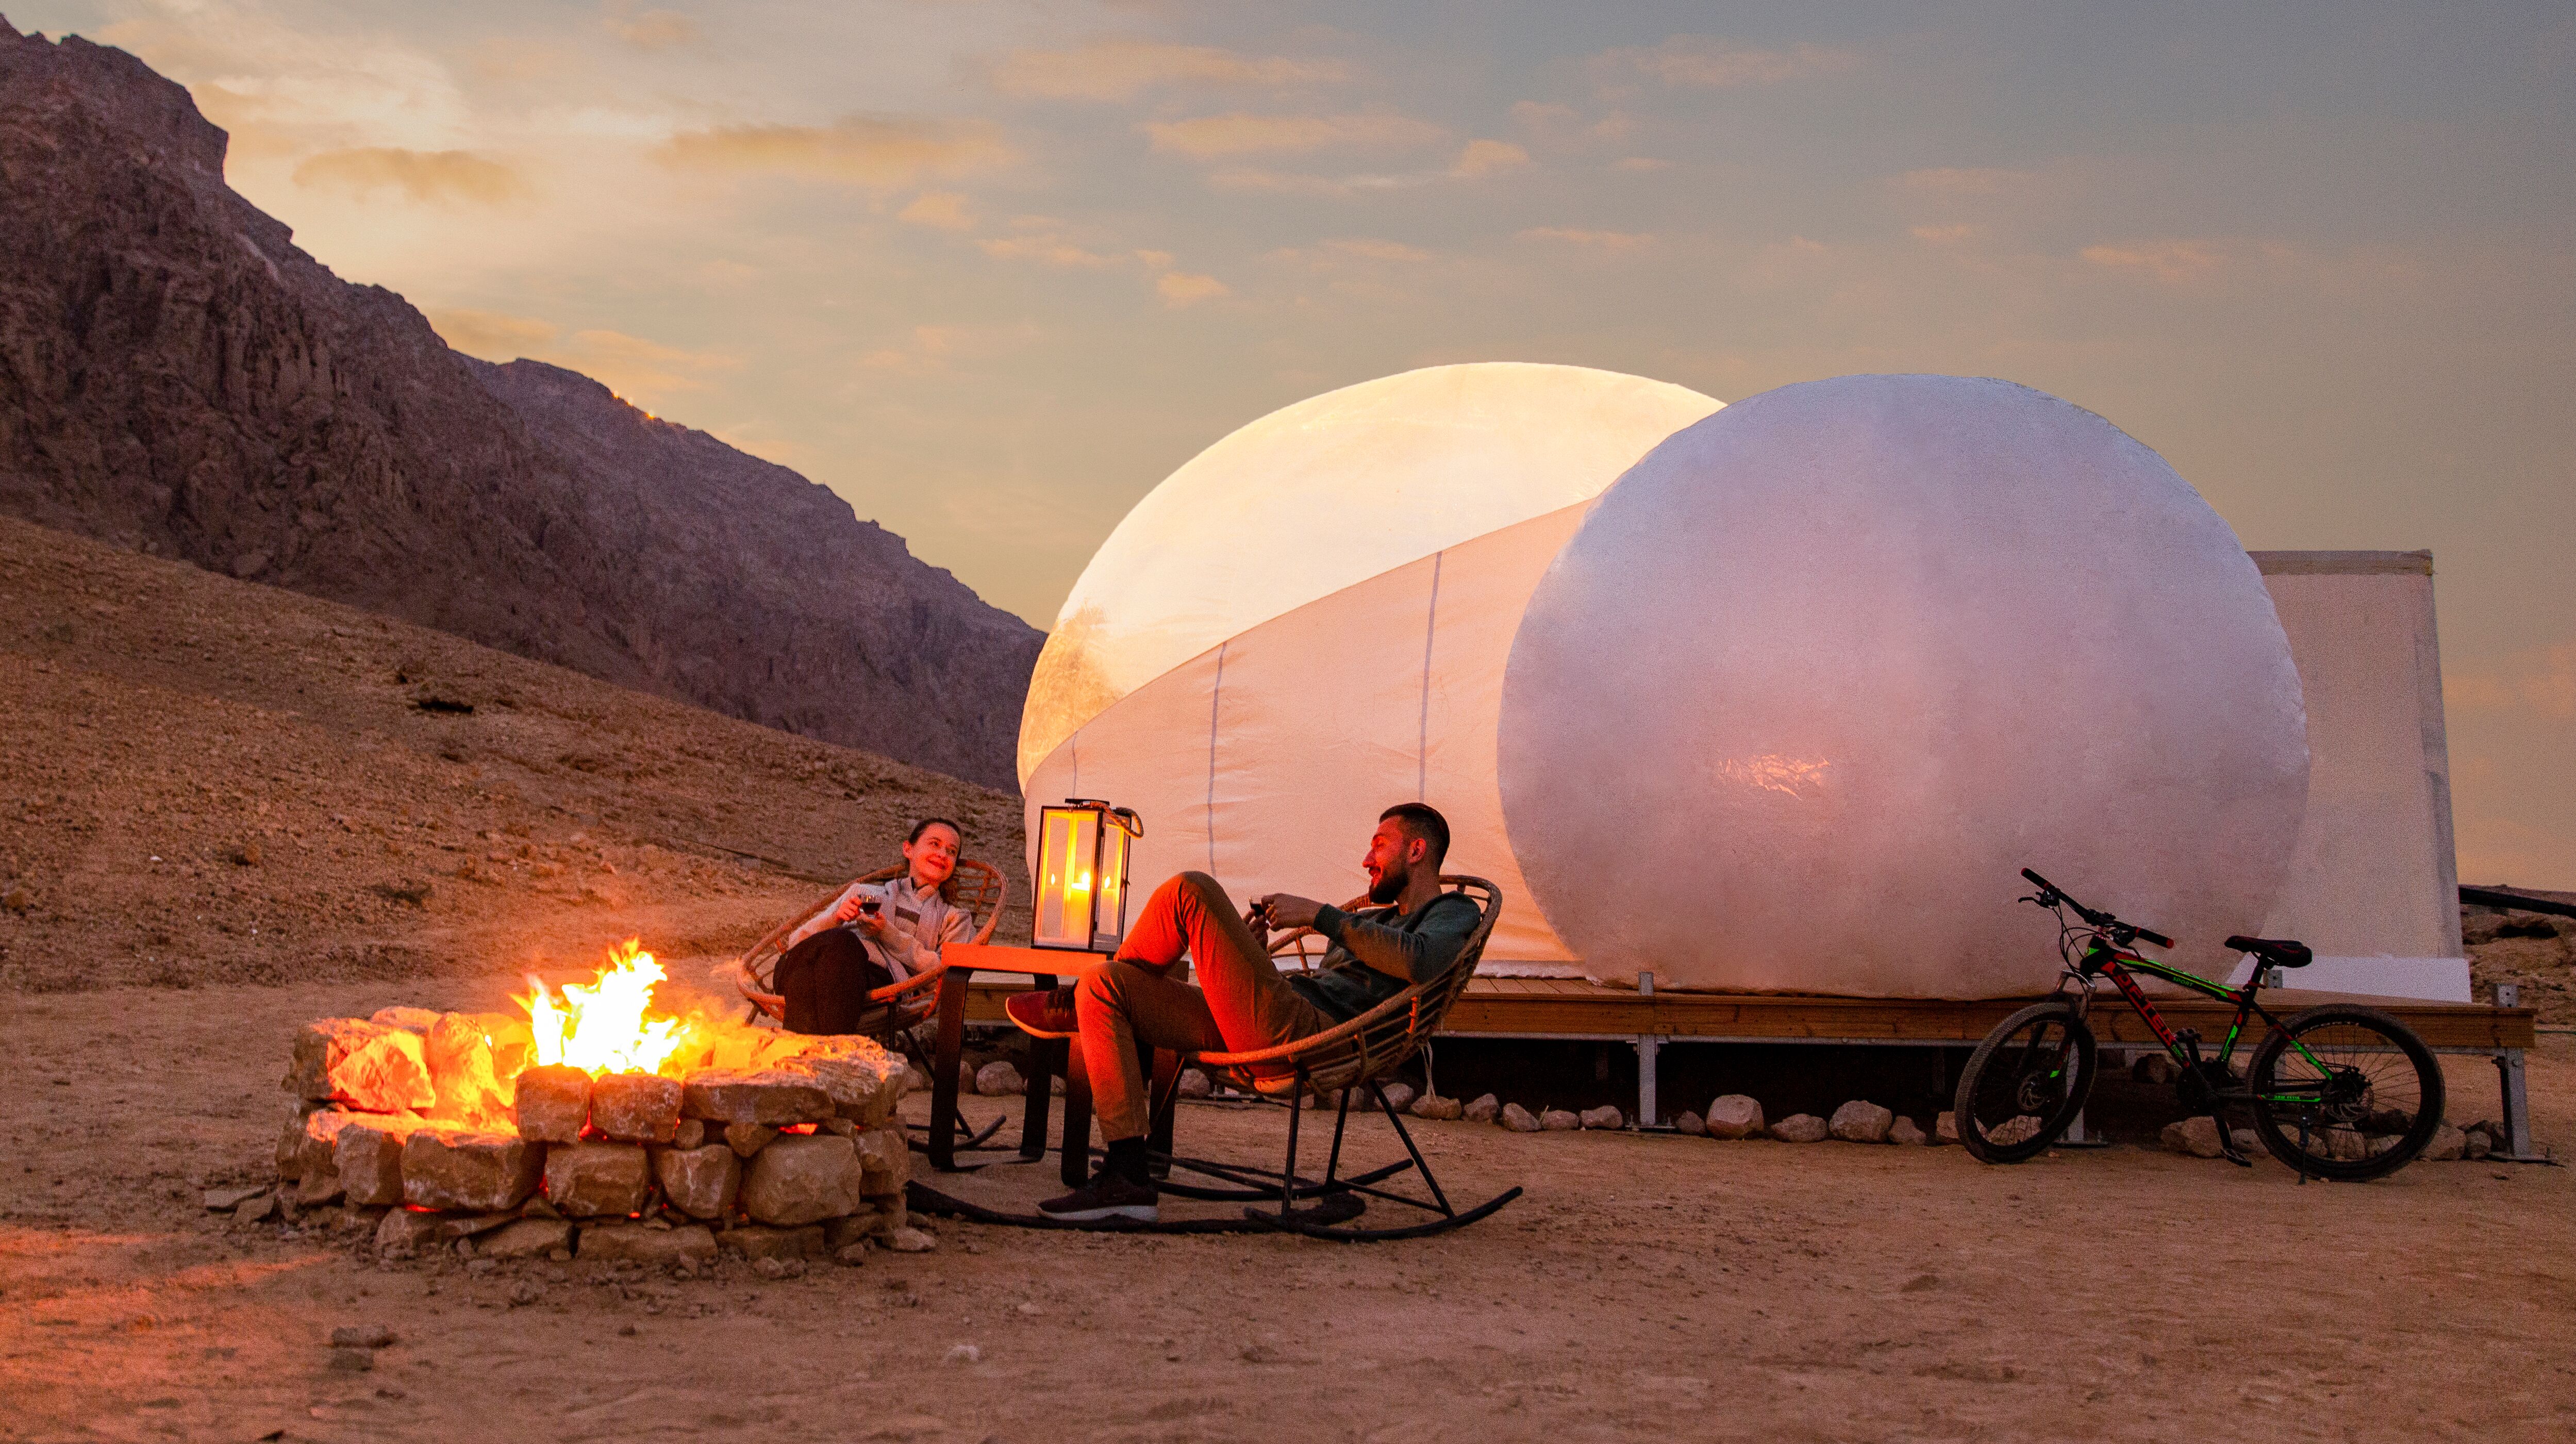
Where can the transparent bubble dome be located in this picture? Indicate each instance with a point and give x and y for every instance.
(1821, 673)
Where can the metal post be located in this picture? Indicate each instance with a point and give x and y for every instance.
(2510, 1079)
(1649, 1047)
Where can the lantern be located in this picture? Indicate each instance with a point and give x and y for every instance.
(1082, 875)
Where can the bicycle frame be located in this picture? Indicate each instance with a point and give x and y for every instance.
(2100, 958)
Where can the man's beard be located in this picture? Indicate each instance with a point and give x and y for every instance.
(1389, 886)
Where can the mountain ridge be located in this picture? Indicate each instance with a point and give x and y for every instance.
(176, 376)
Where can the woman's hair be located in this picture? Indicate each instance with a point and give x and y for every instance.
(928, 823)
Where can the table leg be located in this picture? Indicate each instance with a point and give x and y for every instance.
(1044, 1063)
(1077, 1122)
(945, 1056)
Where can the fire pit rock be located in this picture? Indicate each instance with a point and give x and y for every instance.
(552, 1104)
(804, 1179)
(454, 1168)
(596, 1180)
(700, 1182)
(770, 1096)
(636, 1107)
(367, 1156)
(635, 1243)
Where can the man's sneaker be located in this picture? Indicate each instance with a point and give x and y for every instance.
(1108, 1195)
(1046, 1013)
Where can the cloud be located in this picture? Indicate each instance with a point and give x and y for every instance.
(1545, 117)
(1708, 62)
(647, 29)
(880, 152)
(1945, 235)
(1485, 157)
(491, 334)
(1239, 133)
(1185, 288)
(2174, 263)
(421, 175)
(1116, 70)
(1052, 250)
(1962, 181)
(930, 349)
(1640, 163)
(1327, 254)
(2540, 681)
(945, 210)
(634, 367)
(1599, 240)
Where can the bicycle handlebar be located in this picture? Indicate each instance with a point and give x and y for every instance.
(2051, 894)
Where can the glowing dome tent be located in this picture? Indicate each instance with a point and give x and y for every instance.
(1308, 622)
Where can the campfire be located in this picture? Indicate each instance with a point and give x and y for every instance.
(592, 1123)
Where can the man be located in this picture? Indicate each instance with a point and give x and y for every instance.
(872, 936)
(1242, 1001)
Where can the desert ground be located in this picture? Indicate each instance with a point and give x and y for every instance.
(226, 810)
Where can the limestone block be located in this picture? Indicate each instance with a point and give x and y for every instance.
(1861, 1121)
(453, 1168)
(1800, 1128)
(746, 1139)
(367, 1154)
(514, 1048)
(410, 1020)
(801, 1179)
(316, 1170)
(758, 1242)
(525, 1238)
(290, 1148)
(634, 1243)
(701, 1182)
(1519, 1119)
(1907, 1132)
(2195, 1136)
(773, 1098)
(1735, 1115)
(1485, 1109)
(1605, 1116)
(386, 1074)
(1437, 1108)
(463, 1075)
(552, 1104)
(885, 1161)
(694, 1133)
(636, 1107)
(863, 1080)
(597, 1180)
(883, 1217)
(321, 1044)
(403, 1232)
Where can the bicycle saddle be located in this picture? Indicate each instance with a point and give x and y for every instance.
(2275, 952)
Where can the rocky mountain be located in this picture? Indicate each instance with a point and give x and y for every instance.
(177, 377)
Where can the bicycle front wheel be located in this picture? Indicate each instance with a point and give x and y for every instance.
(2345, 1093)
(2025, 1083)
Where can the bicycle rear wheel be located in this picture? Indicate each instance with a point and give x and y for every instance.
(2345, 1093)
(2025, 1083)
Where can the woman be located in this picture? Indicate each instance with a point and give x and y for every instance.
(872, 936)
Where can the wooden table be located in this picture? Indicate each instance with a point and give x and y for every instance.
(1042, 968)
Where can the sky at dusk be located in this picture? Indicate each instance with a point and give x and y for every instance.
(992, 270)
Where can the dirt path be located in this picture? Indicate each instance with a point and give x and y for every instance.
(1645, 1287)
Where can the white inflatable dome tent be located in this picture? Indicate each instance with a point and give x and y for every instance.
(1765, 718)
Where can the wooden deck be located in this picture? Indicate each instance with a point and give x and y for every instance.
(1567, 1008)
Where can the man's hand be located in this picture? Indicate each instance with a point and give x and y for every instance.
(1287, 910)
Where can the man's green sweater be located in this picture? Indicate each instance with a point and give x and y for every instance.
(1379, 952)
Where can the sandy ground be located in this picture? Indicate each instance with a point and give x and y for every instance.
(1645, 1287)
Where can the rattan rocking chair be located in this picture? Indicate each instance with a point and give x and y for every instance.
(1350, 1060)
(895, 1011)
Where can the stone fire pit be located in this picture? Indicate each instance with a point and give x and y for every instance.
(444, 1127)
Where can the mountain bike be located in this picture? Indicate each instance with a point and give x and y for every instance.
(2339, 1092)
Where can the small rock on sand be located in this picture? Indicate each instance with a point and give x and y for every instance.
(1907, 1131)
(1485, 1109)
(1437, 1108)
(1399, 1096)
(352, 1361)
(1945, 1129)
(1690, 1123)
(1734, 1116)
(362, 1336)
(1800, 1128)
(2195, 1136)
(1519, 1119)
(910, 1240)
(1861, 1121)
(998, 1079)
(1560, 1120)
(1605, 1116)
(1195, 1084)
(2447, 1146)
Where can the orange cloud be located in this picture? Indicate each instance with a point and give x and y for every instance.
(1113, 70)
(1600, 240)
(1709, 62)
(421, 175)
(1183, 288)
(2541, 681)
(2174, 263)
(632, 366)
(1243, 134)
(1484, 157)
(1962, 181)
(1052, 250)
(648, 29)
(945, 210)
(491, 334)
(880, 152)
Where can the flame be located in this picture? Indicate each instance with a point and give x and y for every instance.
(601, 1026)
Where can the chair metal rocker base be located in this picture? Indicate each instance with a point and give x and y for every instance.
(922, 1198)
